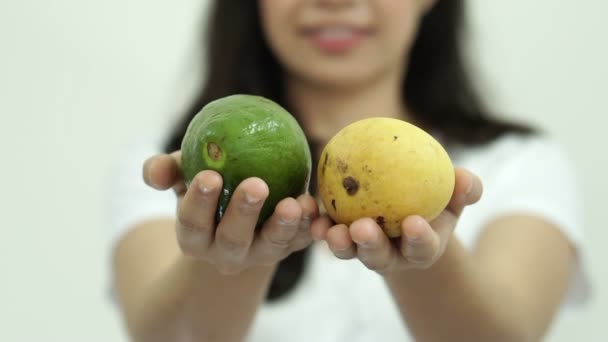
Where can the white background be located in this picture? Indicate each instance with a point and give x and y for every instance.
(77, 77)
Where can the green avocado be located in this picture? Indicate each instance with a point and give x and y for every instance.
(242, 136)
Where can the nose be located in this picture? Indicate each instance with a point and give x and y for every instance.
(335, 4)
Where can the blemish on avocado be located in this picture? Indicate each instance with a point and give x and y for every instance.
(380, 221)
(350, 185)
(333, 204)
(214, 151)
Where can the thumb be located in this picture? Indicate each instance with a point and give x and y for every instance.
(162, 171)
(467, 190)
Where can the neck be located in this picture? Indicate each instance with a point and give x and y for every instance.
(323, 111)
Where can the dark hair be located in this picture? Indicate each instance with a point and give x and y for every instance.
(437, 89)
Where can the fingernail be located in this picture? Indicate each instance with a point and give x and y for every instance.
(470, 187)
(342, 249)
(412, 238)
(154, 185)
(366, 243)
(149, 177)
(205, 188)
(287, 221)
(415, 234)
(250, 199)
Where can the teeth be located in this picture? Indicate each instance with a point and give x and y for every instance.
(335, 33)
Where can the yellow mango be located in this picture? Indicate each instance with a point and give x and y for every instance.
(385, 169)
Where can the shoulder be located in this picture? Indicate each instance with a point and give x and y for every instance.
(530, 175)
(533, 162)
(510, 149)
(523, 174)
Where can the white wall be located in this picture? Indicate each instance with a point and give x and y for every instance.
(79, 76)
(76, 78)
(545, 61)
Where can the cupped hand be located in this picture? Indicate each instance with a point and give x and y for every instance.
(233, 245)
(421, 244)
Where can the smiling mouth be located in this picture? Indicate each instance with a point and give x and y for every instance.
(336, 39)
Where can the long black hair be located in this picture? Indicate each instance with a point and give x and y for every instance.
(438, 89)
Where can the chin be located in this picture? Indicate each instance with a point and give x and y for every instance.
(338, 77)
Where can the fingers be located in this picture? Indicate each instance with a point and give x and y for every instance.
(196, 213)
(289, 227)
(467, 190)
(320, 227)
(310, 212)
(279, 231)
(163, 172)
(374, 249)
(235, 232)
(420, 244)
(160, 172)
(339, 241)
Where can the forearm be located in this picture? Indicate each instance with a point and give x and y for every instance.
(456, 300)
(192, 301)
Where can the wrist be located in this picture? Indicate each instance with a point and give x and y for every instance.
(445, 266)
(203, 268)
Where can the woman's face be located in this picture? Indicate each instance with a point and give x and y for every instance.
(341, 42)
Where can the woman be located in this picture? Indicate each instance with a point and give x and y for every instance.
(501, 275)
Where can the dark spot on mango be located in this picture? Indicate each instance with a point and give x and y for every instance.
(214, 151)
(350, 185)
(324, 163)
(333, 204)
(395, 138)
(380, 221)
(365, 186)
(341, 165)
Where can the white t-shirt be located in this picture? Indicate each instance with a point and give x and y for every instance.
(341, 300)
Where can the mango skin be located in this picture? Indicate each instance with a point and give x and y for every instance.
(242, 136)
(385, 169)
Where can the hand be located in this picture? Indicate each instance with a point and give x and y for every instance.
(233, 245)
(422, 243)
